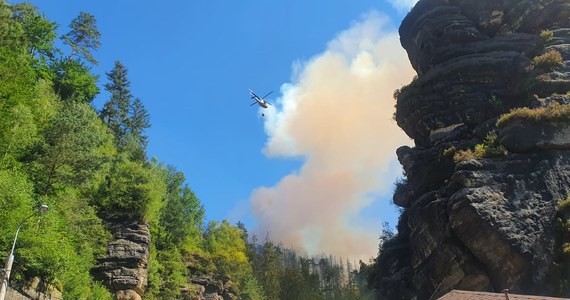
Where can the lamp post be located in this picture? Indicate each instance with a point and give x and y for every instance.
(8, 266)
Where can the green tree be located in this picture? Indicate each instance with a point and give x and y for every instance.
(127, 118)
(115, 112)
(134, 190)
(73, 81)
(311, 286)
(17, 74)
(250, 289)
(11, 31)
(83, 37)
(17, 89)
(48, 246)
(39, 33)
(224, 243)
(75, 147)
(47, 249)
(138, 122)
(172, 273)
(227, 249)
(270, 270)
(181, 218)
(15, 197)
(17, 134)
(23, 119)
(291, 283)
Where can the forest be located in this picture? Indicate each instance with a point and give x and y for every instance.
(90, 164)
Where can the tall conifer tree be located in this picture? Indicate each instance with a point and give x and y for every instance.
(83, 37)
(126, 117)
(115, 112)
(139, 120)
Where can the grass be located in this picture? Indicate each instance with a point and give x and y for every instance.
(553, 112)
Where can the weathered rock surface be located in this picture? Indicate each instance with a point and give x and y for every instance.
(124, 269)
(485, 223)
(522, 137)
(209, 287)
(33, 289)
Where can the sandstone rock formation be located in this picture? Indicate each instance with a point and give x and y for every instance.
(36, 289)
(124, 269)
(485, 223)
(210, 287)
(204, 283)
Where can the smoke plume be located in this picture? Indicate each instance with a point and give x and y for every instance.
(337, 116)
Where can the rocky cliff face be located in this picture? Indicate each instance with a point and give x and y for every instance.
(481, 222)
(203, 283)
(124, 269)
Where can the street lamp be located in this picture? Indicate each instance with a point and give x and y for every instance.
(8, 266)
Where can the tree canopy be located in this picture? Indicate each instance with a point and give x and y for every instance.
(83, 37)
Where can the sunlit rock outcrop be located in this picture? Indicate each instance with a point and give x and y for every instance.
(124, 270)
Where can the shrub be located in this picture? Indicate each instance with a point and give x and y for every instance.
(542, 77)
(562, 245)
(400, 184)
(463, 155)
(548, 60)
(564, 205)
(489, 148)
(566, 248)
(495, 101)
(397, 93)
(546, 35)
(450, 152)
(553, 112)
(134, 189)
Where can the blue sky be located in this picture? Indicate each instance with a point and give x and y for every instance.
(192, 63)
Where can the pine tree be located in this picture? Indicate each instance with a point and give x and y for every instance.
(83, 37)
(139, 121)
(115, 111)
(270, 277)
(72, 150)
(127, 118)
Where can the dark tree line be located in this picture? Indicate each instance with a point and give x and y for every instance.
(285, 274)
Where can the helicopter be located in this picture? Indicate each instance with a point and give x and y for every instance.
(259, 100)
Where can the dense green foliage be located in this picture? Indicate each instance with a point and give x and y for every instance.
(56, 150)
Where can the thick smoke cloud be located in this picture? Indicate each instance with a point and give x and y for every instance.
(337, 116)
